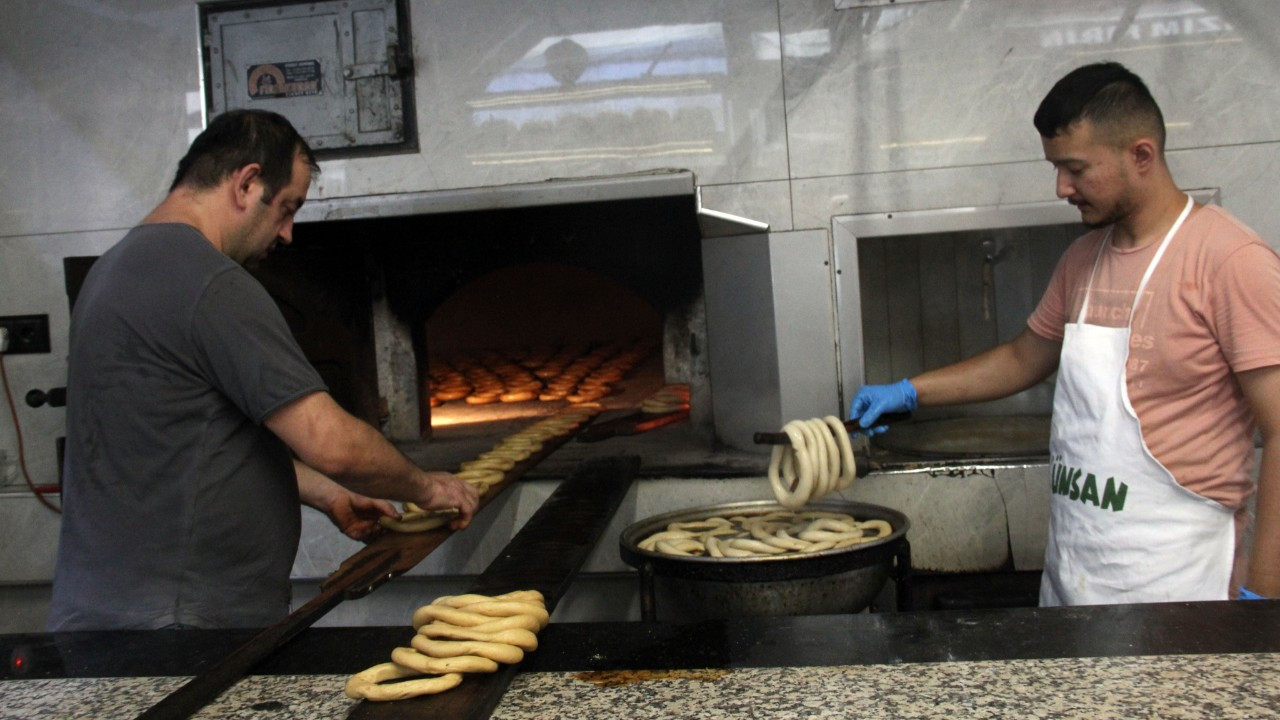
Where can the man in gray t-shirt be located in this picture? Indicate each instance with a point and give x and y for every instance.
(187, 395)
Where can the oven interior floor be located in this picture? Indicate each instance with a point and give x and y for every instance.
(685, 448)
(677, 450)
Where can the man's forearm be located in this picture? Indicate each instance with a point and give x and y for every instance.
(1262, 390)
(344, 448)
(1264, 558)
(357, 456)
(366, 462)
(996, 373)
(314, 489)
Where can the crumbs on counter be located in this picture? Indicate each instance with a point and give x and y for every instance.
(622, 678)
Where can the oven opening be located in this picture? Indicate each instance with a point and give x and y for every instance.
(528, 338)
(450, 330)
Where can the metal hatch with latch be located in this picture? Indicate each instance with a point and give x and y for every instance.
(340, 70)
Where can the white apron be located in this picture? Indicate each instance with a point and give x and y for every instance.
(1121, 528)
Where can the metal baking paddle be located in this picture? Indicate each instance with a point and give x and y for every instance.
(633, 424)
(545, 555)
(780, 438)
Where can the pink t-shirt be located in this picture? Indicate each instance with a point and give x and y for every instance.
(1211, 309)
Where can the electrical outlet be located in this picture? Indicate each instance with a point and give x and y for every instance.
(27, 333)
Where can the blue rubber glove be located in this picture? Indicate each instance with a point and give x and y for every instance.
(872, 401)
(1244, 594)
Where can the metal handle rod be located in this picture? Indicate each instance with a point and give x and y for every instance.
(780, 438)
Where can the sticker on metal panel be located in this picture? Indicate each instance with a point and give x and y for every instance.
(286, 79)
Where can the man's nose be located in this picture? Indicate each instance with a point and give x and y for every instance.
(1065, 188)
(285, 235)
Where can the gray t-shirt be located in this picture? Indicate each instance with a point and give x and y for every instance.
(179, 506)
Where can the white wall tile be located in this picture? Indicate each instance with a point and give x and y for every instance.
(947, 84)
(93, 111)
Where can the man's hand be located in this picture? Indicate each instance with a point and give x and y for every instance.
(872, 401)
(354, 514)
(339, 445)
(357, 516)
(443, 491)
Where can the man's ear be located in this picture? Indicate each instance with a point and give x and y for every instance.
(246, 185)
(1144, 154)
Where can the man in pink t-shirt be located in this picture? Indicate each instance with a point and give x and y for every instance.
(1163, 325)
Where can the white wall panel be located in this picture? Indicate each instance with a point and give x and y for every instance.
(954, 83)
(95, 107)
(1246, 176)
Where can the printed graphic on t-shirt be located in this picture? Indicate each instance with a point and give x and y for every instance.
(1111, 308)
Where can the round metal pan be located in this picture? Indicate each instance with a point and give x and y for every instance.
(764, 568)
(688, 589)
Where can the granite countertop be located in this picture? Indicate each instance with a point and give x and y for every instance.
(1163, 686)
(1197, 686)
(1177, 660)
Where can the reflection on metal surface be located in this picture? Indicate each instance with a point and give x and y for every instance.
(854, 4)
(883, 14)
(941, 141)
(1136, 23)
(591, 93)
(802, 44)
(657, 84)
(592, 153)
(1110, 50)
(613, 55)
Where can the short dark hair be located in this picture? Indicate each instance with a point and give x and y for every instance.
(240, 137)
(1109, 96)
